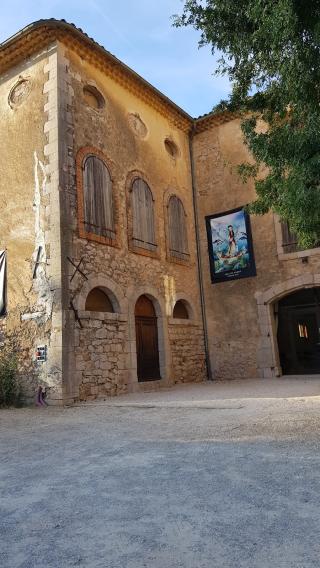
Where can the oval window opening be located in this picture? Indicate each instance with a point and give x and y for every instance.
(171, 148)
(137, 125)
(93, 97)
(19, 92)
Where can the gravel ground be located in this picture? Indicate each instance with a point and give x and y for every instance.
(209, 476)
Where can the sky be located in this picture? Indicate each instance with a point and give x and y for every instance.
(140, 33)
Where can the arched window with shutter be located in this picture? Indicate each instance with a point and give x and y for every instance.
(143, 229)
(289, 239)
(178, 238)
(98, 216)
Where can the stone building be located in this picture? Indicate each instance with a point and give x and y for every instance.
(105, 187)
(267, 325)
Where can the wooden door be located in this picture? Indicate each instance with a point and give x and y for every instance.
(148, 367)
(299, 339)
(306, 340)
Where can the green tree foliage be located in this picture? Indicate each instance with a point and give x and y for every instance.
(10, 390)
(271, 52)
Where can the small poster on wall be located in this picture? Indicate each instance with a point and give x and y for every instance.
(230, 245)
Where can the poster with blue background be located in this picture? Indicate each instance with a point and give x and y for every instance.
(230, 245)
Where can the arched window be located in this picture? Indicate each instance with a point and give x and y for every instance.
(97, 197)
(98, 301)
(180, 310)
(143, 231)
(178, 239)
(144, 307)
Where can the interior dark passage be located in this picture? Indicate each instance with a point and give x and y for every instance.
(148, 367)
(299, 332)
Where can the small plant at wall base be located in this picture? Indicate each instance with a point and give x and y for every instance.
(10, 390)
(271, 53)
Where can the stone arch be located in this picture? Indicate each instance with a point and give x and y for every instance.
(180, 310)
(133, 294)
(188, 304)
(98, 300)
(112, 289)
(268, 353)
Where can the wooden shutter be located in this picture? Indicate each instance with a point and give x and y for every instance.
(143, 230)
(97, 195)
(178, 238)
(289, 239)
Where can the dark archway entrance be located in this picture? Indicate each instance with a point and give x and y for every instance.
(299, 332)
(148, 367)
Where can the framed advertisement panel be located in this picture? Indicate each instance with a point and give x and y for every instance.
(230, 246)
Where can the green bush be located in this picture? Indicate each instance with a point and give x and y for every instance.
(10, 390)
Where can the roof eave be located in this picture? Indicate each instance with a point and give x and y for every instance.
(62, 25)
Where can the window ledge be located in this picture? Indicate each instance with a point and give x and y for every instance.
(144, 252)
(181, 261)
(298, 254)
(98, 239)
(102, 316)
(182, 321)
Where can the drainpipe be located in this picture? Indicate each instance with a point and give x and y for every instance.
(199, 260)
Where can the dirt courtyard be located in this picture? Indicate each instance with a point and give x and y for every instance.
(222, 475)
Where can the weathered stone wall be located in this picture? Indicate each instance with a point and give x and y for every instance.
(129, 150)
(241, 330)
(187, 351)
(101, 355)
(28, 143)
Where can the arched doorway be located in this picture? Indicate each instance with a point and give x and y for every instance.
(299, 332)
(148, 368)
